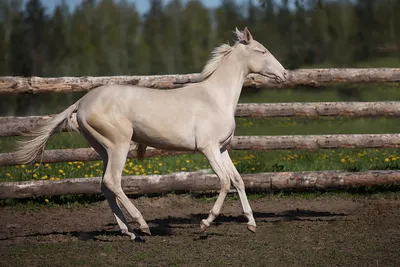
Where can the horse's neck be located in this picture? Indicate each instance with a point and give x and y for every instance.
(227, 81)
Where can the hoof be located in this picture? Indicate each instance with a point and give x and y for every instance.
(203, 226)
(145, 230)
(252, 228)
(138, 239)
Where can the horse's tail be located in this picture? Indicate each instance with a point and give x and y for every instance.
(27, 151)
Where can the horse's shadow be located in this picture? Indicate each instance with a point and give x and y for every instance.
(166, 226)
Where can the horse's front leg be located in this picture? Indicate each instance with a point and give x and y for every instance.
(238, 183)
(214, 157)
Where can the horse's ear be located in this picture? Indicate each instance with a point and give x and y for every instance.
(247, 35)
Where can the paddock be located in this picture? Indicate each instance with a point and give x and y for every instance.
(293, 230)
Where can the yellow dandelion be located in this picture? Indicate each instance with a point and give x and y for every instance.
(149, 173)
(137, 173)
(86, 176)
(252, 156)
(23, 166)
(61, 171)
(149, 166)
(91, 175)
(46, 165)
(8, 174)
(343, 160)
(183, 169)
(35, 175)
(387, 159)
(155, 171)
(78, 167)
(44, 177)
(46, 200)
(51, 178)
(57, 178)
(188, 161)
(253, 169)
(69, 163)
(160, 164)
(37, 164)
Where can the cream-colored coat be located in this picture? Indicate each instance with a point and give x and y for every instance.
(196, 117)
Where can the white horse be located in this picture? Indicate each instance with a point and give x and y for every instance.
(195, 117)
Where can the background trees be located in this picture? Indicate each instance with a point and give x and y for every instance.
(107, 37)
(110, 37)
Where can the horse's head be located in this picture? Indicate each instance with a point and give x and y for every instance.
(258, 59)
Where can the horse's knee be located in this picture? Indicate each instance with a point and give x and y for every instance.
(237, 182)
(225, 185)
(110, 185)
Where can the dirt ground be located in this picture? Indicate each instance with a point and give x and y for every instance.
(320, 231)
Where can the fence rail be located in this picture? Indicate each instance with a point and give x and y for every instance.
(201, 181)
(301, 77)
(11, 125)
(260, 143)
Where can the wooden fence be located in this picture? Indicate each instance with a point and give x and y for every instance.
(11, 126)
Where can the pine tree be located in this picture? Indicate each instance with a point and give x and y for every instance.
(35, 22)
(196, 37)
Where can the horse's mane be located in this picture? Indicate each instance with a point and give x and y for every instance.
(218, 54)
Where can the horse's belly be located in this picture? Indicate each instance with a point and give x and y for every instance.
(163, 137)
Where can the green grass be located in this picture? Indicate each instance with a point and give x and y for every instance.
(245, 161)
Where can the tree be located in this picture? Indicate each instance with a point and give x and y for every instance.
(58, 47)
(196, 37)
(173, 37)
(35, 21)
(154, 27)
(228, 16)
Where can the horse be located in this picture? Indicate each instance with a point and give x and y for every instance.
(195, 117)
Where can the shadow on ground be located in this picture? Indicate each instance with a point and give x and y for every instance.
(165, 226)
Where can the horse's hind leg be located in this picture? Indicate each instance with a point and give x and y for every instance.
(112, 202)
(112, 181)
(95, 140)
